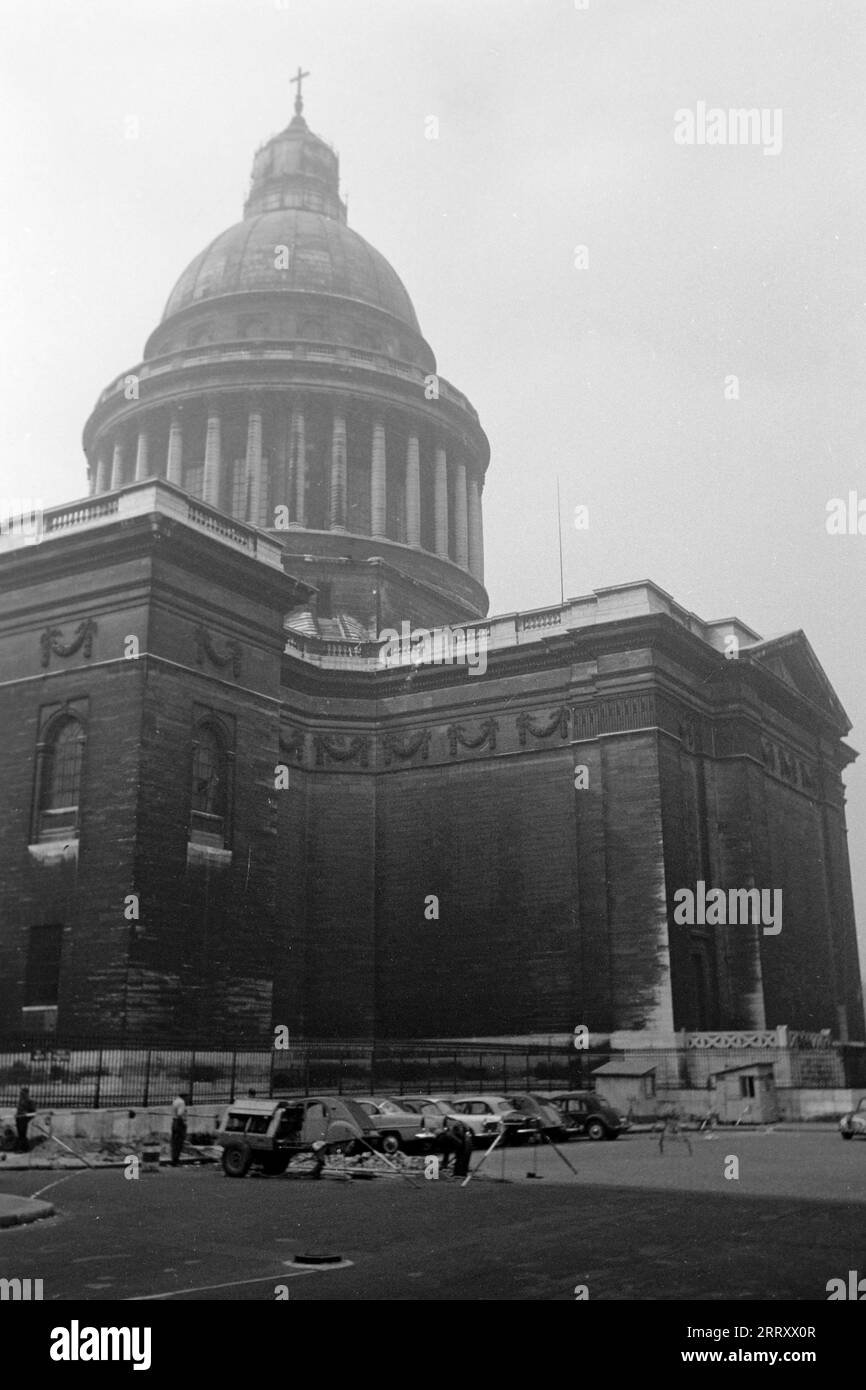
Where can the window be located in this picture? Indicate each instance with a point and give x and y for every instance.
(747, 1087)
(60, 759)
(42, 978)
(209, 786)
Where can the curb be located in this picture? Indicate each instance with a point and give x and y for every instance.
(60, 1163)
(35, 1211)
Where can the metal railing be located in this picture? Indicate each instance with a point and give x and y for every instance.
(81, 1074)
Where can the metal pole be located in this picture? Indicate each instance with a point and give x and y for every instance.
(53, 1136)
(561, 1155)
(559, 536)
(487, 1153)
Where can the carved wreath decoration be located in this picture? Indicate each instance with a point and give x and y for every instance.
(487, 735)
(84, 635)
(418, 743)
(560, 720)
(335, 747)
(205, 647)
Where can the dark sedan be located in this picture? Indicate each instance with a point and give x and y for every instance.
(545, 1114)
(586, 1112)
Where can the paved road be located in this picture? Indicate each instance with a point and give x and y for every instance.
(632, 1225)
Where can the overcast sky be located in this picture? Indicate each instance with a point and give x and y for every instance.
(556, 130)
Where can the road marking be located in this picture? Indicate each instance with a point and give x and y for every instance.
(237, 1283)
(76, 1174)
(98, 1259)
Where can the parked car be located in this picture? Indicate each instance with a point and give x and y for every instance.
(433, 1111)
(399, 1128)
(854, 1122)
(542, 1112)
(587, 1112)
(486, 1115)
(268, 1133)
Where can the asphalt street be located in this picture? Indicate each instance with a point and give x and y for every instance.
(631, 1225)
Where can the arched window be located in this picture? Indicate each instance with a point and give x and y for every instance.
(210, 785)
(60, 779)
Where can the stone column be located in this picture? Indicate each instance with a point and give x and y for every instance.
(339, 480)
(255, 475)
(476, 532)
(141, 456)
(212, 461)
(103, 473)
(378, 478)
(413, 493)
(174, 461)
(298, 453)
(117, 465)
(461, 519)
(441, 504)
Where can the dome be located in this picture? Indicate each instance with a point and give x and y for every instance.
(293, 240)
(322, 256)
(288, 386)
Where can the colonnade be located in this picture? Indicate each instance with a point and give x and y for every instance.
(455, 527)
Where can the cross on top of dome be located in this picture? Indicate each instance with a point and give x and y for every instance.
(299, 98)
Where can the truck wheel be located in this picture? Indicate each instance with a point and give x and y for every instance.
(236, 1161)
(846, 1134)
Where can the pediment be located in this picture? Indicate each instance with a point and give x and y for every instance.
(792, 660)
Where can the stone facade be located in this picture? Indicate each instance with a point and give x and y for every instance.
(223, 809)
(552, 806)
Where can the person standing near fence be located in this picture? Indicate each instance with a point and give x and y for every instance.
(456, 1139)
(178, 1128)
(24, 1113)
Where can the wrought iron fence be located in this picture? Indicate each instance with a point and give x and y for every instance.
(78, 1074)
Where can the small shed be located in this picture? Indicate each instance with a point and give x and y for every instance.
(747, 1094)
(627, 1085)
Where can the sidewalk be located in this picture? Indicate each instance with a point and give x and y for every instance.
(18, 1211)
(53, 1152)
